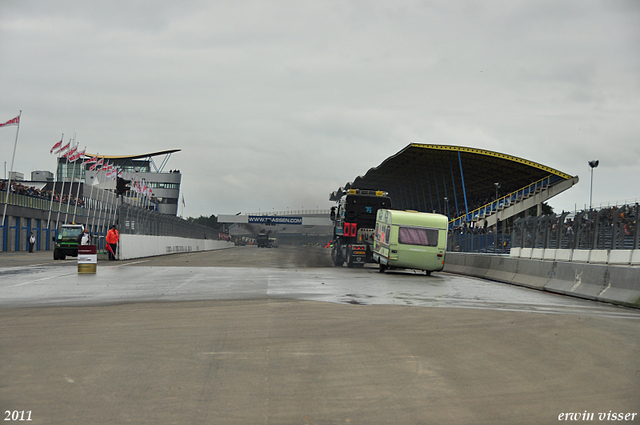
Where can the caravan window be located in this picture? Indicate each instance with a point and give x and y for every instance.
(418, 236)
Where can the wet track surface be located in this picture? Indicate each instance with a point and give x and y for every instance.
(280, 336)
(297, 273)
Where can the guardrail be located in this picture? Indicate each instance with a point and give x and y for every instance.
(134, 220)
(101, 211)
(26, 201)
(292, 212)
(491, 243)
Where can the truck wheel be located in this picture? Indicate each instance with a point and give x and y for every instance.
(55, 254)
(349, 263)
(382, 268)
(62, 256)
(336, 257)
(428, 272)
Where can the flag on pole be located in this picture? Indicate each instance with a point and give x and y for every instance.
(16, 121)
(112, 173)
(76, 156)
(97, 164)
(63, 149)
(71, 152)
(56, 146)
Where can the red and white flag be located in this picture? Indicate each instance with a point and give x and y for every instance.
(64, 148)
(91, 160)
(76, 156)
(112, 173)
(56, 146)
(97, 164)
(15, 121)
(69, 154)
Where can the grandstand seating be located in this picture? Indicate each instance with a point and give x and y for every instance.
(507, 201)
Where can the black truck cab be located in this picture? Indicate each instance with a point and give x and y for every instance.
(354, 221)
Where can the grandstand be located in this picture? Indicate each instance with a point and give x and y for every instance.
(165, 185)
(468, 185)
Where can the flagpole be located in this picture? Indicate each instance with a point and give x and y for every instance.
(61, 194)
(115, 210)
(143, 191)
(60, 198)
(145, 200)
(73, 175)
(103, 209)
(53, 189)
(75, 208)
(93, 221)
(90, 194)
(108, 201)
(6, 199)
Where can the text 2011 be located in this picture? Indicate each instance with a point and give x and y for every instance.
(17, 415)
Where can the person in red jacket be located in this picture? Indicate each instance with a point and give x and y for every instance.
(112, 242)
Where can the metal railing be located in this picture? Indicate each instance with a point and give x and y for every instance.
(492, 243)
(37, 203)
(608, 228)
(506, 201)
(134, 220)
(315, 212)
(99, 213)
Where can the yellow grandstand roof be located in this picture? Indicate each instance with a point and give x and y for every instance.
(420, 176)
(140, 156)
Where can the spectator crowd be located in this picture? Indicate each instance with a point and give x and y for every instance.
(43, 193)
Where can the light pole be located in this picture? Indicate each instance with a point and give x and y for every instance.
(593, 164)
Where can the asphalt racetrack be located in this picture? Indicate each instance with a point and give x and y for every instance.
(280, 336)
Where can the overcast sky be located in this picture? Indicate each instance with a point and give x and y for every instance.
(275, 104)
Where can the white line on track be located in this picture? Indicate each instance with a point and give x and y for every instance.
(37, 280)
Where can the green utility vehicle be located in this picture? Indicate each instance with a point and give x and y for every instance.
(67, 241)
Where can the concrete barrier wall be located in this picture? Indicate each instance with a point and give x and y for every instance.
(617, 284)
(139, 246)
(592, 256)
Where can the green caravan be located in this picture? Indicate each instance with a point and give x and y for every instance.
(410, 240)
